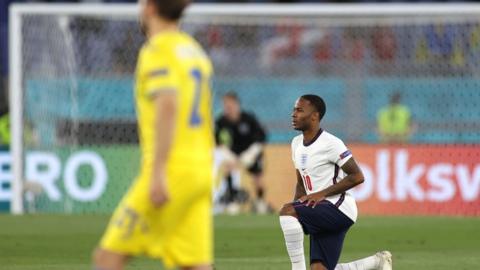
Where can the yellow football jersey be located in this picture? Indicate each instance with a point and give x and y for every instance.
(173, 61)
(181, 231)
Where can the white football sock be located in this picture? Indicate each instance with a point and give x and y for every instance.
(293, 233)
(236, 179)
(368, 263)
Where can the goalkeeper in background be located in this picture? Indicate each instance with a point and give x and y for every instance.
(167, 212)
(240, 139)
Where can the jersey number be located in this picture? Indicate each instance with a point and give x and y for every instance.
(308, 182)
(195, 119)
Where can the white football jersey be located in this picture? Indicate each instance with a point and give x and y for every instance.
(319, 164)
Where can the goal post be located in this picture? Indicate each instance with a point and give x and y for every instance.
(15, 95)
(72, 67)
(16, 13)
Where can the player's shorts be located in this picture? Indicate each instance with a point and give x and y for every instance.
(257, 166)
(180, 233)
(327, 226)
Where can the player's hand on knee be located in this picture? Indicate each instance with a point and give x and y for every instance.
(231, 165)
(312, 199)
(158, 192)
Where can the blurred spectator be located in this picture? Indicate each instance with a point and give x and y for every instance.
(384, 44)
(323, 51)
(444, 48)
(216, 47)
(440, 40)
(286, 44)
(421, 50)
(289, 44)
(394, 122)
(354, 47)
(474, 38)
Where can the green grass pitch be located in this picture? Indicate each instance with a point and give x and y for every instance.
(247, 242)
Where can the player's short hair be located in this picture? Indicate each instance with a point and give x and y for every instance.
(232, 95)
(317, 102)
(171, 9)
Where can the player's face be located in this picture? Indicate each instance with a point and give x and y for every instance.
(302, 115)
(231, 108)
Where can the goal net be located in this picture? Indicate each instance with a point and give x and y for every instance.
(75, 139)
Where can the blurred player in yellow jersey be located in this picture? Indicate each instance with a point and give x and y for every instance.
(166, 213)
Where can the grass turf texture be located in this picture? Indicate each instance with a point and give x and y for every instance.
(247, 242)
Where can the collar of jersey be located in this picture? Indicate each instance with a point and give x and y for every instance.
(320, 131)
(158, 36)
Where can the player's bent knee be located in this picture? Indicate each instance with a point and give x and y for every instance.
(288, 210)
(317, 266)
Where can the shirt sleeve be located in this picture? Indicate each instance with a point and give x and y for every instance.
(294, 146)
(160, 71)
(339, 153)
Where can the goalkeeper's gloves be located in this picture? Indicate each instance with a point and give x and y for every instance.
(227, 155)
(248, 157)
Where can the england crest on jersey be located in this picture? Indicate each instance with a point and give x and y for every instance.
(303, 160)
